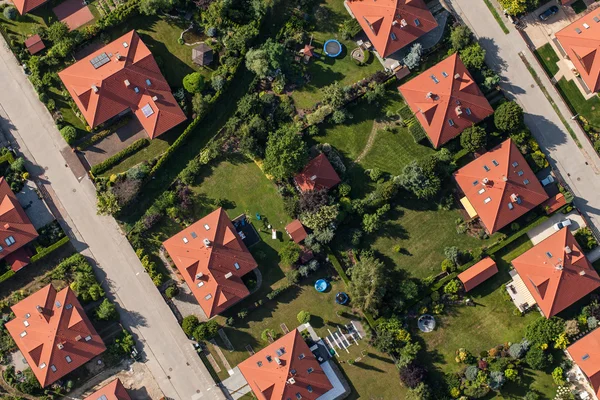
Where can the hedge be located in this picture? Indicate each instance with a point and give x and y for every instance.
(120, 156)
(44, 252)
(7, 275)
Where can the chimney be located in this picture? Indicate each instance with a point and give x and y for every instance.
(228, 275)
(206, 242)
(95, 88)
(127, 83)
(568, 250)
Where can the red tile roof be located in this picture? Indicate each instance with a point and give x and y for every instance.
(34, 44)
(25, 6)
(512, 188)
(296, 231)
(392, 24)
(212, 259)
(586, 354)
(270, 380)
(447, 107)
(129, 79)
(318, 174)
(478, 273)
(112, 391)
(582, 45)
(556, 272)
(53, 333)
(15, 226)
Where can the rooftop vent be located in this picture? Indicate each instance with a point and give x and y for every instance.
(206, 242)
(568, 250)
(228, 275)
(127, 83)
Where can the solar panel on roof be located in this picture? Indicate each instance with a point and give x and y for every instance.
(99, 60)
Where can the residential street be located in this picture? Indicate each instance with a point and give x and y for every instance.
(579, 167)
(169, 355)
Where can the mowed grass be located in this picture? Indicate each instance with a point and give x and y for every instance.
(326, 70)
(548, 58)
(589, 109)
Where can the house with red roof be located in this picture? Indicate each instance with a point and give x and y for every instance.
(556, 272)
(446, 100)
(119, 78)
(317, 175)
(16, 230)
(112, 391)
(499, 187)
(478, 273)
(585, 353)
(392, 24)
(212, 258)
(53, 333)
(581, 42)
(287, 369)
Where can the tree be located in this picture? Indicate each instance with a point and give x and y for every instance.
(415, 179)
(153, 7)
(189, 324)
(303, 317)
(413, 58)
(368, 284)
(107, 311)
(473, 138)
(508, 117)
(289, 253)
(460, 37)
(412, 375)
(57, 32)
(537, 358)
(285, 153)
(473, 56)
(194, 82)
(322, 218)
(10, 13)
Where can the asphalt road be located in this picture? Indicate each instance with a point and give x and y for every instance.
(170, 356)
(579, 167)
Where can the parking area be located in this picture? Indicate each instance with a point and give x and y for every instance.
(542, 231)
(35, 207)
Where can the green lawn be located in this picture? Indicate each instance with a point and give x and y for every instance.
(589, 109)
(326, 70)
(489, 323)
(548, 58)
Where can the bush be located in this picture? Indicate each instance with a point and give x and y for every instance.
(69, 133)
(303, 317)
(194, 82)
(120, 156)
(10, 13)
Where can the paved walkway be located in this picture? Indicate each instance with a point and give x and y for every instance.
(579, 167)
(169, 354)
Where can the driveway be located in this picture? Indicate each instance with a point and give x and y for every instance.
(578, 167)
(542, 231)
(167, 352)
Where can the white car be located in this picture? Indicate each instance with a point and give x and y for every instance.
(559, 225)
(547, 180)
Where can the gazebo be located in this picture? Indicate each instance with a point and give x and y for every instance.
(202, 54)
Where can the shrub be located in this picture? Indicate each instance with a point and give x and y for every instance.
(303, 317)
(189, 324)
(69, 133)
(194, 82)
(10, 13)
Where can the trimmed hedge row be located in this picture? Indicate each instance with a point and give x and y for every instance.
(64, 240)
(7, 275)
(120, 156)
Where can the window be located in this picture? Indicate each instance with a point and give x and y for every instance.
(26, 323)
(495, 163)
(515, 164)
(88, 338)
(487, 169)
(42, 365)
(9, 241)
(301, 356)
(310, 370)
(520, 172)
(468, 111)
(68, 358)
(526, 181)
(481, 191)
(450, 122)
(23, 334)
(510, 206)
(444, 74)
(309, 389)
(475, 183)
(236, 265)
(487, 200)
(57, 304)
(208, 297)
(53, 368)
(200, 284)
(69, 306)
(417, 22)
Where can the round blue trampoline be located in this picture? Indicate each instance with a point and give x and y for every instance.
(332, 48)
(321, 285)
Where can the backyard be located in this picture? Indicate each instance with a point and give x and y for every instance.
(548, 58)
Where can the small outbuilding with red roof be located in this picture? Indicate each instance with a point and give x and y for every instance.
(392, 24)
(446, 100)
(556, 272)
(318, 174)
(119, 77)
(212, 258)
(53, 333)
(478, 273)
(585, 353)
(112, 391)
(499, 186)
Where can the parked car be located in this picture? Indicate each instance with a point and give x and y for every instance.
(548, 13)
(559, 225)
(547, 180)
